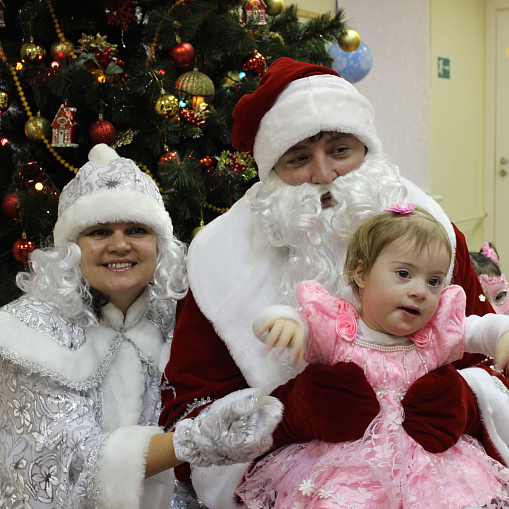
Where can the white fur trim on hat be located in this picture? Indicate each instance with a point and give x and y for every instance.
(109, 189)
(308, 106)
(104, 207)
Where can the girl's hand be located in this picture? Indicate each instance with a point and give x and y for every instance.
(502, 351)
(283, 333)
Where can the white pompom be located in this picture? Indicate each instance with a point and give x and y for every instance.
(102, 154)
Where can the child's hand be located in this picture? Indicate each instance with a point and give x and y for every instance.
(283, 333)
(502, 351)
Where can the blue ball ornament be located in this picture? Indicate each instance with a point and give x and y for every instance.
(352, 66)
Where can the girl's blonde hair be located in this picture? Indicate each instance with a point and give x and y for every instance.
(418, 228)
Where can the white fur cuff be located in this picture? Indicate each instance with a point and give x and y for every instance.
(121, 467)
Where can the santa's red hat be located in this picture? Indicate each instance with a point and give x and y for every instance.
(296, 100)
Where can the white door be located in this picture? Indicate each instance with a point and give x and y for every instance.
(497, 128)
(501, 166)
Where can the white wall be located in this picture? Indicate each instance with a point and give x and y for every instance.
(397, 33)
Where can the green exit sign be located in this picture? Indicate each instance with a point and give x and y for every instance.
(444, 68)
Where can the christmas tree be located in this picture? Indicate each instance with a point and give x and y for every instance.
(157, 80)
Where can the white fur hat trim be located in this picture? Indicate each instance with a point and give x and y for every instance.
(308, 106)
(109, 189)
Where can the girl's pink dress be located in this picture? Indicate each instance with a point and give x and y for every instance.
(386, 469)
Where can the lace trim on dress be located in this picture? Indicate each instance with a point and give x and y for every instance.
(44, 318)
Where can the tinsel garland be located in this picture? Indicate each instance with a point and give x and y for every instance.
(59, 32)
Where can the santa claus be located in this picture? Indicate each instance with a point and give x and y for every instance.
(322, 170)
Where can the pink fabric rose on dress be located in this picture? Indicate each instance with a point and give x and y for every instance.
(421, 337)
(346, 321)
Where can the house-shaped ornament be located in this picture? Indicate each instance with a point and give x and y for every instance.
(255, 12)
(64, 128)
(2, 13)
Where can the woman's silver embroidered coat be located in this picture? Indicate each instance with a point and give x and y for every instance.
(78, 407)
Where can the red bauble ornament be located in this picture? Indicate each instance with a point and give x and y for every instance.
(102, 131)
(207, 163)
(182, 54)
(10, 205)
(22, 248)
(167, 157)
(255, 63)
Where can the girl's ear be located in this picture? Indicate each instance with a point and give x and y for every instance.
(359, 274)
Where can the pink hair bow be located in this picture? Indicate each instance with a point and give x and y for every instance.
(489, 252)
(401, 208)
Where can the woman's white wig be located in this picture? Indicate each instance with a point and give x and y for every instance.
(107, 189)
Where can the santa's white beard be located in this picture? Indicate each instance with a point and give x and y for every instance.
(316, 238)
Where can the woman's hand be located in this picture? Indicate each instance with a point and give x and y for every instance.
(238, 432)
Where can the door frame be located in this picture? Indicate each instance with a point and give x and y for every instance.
(492, 6)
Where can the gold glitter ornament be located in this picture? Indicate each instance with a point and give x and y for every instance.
(61, 50)
(194, 86)
(4, 101)
(32, 53)
(274, 7)
(197, 229)
(37, 128)
(166, 105)
(350, 41)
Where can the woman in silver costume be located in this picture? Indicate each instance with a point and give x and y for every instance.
(81, 356)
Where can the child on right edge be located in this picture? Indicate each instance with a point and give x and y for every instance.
(492, 280)
(408, 323)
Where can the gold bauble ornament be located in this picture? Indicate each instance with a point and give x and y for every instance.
(166, 105)
(4, 101)
(350, 41)
(32, 53)
(37, 127)
(274, 7)
(194, 86)
(197, 229)
(61, 50)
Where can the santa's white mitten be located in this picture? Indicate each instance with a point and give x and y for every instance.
(235, 433)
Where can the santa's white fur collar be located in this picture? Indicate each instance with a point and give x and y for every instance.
(232, 282)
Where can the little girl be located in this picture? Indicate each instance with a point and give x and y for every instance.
(492, 280)
(407, 325)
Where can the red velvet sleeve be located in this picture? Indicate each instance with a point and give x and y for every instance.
(200, 370)
(465, 276)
